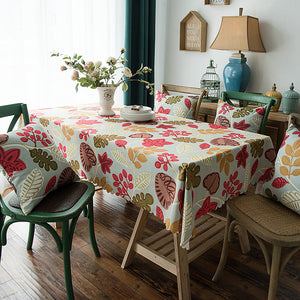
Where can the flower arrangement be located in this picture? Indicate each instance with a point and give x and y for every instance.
(95, 74)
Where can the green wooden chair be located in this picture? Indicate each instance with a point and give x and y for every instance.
(62, 205)
(248, 97)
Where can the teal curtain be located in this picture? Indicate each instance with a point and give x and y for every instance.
(140, 47)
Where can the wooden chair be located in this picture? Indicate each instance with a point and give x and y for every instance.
(62, 205)
(268, 222)
(167, 88)
(247, 97)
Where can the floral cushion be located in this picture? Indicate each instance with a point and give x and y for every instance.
(283, 182)
(179, 105)
(243, 118)
(33, 164)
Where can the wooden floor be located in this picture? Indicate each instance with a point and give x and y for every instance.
(38, 274)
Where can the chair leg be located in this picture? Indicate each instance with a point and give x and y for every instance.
(66, 258)
(30, 236)
(224, 253)
(92, 230)
(182, 268)
(2, 217)
(243, 239)
(274, 272)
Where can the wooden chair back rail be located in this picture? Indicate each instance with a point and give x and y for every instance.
(266, 225)
(167, 88)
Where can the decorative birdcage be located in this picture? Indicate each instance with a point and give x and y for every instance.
(211, 81)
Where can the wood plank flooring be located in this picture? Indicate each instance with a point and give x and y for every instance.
(38, 274)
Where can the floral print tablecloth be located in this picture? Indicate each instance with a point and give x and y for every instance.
(175, 168)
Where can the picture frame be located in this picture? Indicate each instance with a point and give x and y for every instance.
(193, 33)
(217, 2)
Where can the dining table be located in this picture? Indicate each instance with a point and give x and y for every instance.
(178, 169)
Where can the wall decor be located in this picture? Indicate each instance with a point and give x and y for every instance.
(216, 2)
(193, 32)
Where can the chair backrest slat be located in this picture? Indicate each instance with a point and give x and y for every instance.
(15, 110)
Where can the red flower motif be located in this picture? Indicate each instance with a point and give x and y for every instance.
(126, 124)
(105, 162)
(232, 187)
(159, 213)
(242, 156)
(283, 142)
(88, 122)
(165, 159)
(268, 175)
(34, 135)
(235, 136)
(193, 126)
(123, 182)
(164, 111)
(10, 161)
(297, 132)
(225, 108)
(214, 126)
(180, 199)
(120, 143)
(58, 122)
(160, 118)
(242, 125)
(206, 207)
(254, 167)
(164, 126)
(160, 96)
(156, 142)
(279, 182)
(62, 149)
(261, 110)
(83, 175)
(187, 103)
(50, 184)
(204, 146)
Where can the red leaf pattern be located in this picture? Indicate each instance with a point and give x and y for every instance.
(279, 182)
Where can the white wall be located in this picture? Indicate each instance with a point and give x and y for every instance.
(279, 26)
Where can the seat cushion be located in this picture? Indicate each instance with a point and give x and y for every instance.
(58, 200)
(243, 118)
(271, 215)
(34, 164)
(283, 182)
(178, 105)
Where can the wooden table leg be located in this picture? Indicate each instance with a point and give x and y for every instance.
(182, 267)
(136, 235)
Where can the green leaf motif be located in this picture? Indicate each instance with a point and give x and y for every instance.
(31, 185)
(43, 159)
(240, 113)
(174, 99)
(124, 87)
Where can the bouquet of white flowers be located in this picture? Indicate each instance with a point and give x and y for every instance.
(95, 74)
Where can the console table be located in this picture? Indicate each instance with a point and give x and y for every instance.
(275, 128)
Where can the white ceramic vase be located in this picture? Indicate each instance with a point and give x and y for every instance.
(106, 100)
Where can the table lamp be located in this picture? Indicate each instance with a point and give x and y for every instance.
(239, 33)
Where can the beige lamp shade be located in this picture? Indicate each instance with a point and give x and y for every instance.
(239, 33)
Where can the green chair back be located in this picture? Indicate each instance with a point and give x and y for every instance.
(15, 110)
(248, 97)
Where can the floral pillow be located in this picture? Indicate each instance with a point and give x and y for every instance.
(243, 118)
(33, 164)
(283, 182)
(179, 105)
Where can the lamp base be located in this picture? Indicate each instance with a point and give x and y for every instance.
(236, 74)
